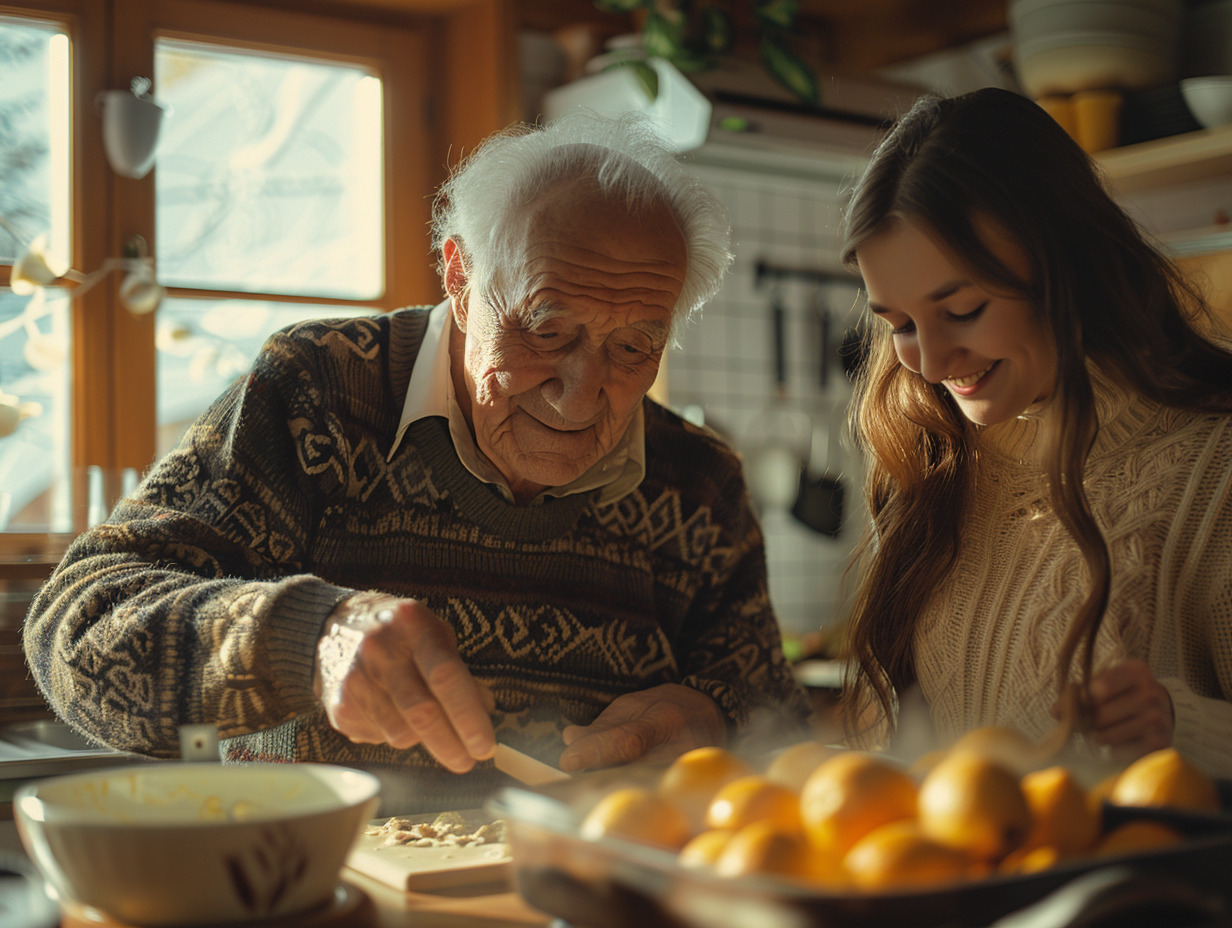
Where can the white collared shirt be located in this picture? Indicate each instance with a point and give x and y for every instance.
(430, 393)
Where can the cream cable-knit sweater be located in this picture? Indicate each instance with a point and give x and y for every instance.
(1160, 485)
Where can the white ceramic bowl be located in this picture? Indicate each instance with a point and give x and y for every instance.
(1044, 70)
(1209, 99)
(1044, 21)
(184, 844)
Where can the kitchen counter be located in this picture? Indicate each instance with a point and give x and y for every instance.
(381, 906)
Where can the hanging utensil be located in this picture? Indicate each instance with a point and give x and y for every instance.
(778, 438)
(819, 494)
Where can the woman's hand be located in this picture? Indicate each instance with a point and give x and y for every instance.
(388, 671)
(657, 724)
(1130, 710)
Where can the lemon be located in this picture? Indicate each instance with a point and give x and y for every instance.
(976, 804)
(639, 814)
(753, 799)
(692, 779)
(766, 847)
(901, 856)
(1062, 815)
(1165, 778)
(851, 794)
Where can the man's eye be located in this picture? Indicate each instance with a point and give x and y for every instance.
(630, 346)
(543, 338)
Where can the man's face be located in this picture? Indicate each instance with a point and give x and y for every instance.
(550, 386)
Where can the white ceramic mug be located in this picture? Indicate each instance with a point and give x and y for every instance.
(130, 130)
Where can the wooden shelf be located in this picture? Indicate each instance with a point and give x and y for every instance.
(1174, 160)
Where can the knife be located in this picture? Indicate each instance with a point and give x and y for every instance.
(526, 769)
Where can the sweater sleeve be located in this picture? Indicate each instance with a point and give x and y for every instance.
(1199, 606)
(193, 602)
(1201, 609)
(1201, 728)
(731, 644)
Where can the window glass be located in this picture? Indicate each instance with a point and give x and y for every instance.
(204, 345)
(34, 411)
(34, 138)
(269, 173)
(34, 327)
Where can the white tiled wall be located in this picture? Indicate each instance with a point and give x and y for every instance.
(724, 365)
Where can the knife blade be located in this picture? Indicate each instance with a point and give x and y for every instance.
(526, 769)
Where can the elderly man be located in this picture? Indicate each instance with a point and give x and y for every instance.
(403, 536)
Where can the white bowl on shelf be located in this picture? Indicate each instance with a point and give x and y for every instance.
(1209, 99)
(1095, 63)
(1053, 19)
(186, 843)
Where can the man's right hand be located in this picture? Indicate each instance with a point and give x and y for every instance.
(388, 671)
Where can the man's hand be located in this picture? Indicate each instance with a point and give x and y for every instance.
(657, 724)
(388, 671)
(1130, 711)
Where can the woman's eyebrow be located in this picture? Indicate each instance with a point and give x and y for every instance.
(947, 289)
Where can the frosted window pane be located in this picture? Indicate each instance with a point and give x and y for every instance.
(35, 384)
(269, 173)
(34, 137)
(34, 412)
(204, 345)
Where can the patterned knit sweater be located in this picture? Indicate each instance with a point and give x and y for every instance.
(203, 596)
(1160, 485)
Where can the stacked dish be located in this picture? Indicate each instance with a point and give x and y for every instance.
(1067, 46)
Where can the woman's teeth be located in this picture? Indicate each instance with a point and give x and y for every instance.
(970, 379)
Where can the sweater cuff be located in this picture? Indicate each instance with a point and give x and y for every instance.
(1201, 728)
(731, 706)
(743, 715)
(296, 617)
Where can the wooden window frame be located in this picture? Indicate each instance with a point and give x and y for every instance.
(448, 69)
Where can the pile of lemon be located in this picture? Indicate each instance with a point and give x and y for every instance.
(844, 820)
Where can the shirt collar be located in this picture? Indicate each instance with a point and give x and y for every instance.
(430, 393)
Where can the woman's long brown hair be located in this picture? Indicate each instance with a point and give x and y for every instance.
(1105, 293)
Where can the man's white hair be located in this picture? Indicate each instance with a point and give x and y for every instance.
(478, 207)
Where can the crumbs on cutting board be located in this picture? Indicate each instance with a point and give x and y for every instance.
(449, 829)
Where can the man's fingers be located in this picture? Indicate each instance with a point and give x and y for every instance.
(457, 693)
(404, 684)
(462, 699)
(609, 747)
(365, 714)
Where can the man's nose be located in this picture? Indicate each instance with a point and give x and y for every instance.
(576, 390)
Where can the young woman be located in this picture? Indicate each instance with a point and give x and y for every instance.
(1049, 437)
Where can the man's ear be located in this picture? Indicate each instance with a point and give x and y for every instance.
(456, 278)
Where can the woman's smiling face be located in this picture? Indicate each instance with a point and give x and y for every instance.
(988, 348)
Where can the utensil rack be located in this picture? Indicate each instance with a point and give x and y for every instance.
(775, 272)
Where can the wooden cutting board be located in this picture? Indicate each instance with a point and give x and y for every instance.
(410, 868)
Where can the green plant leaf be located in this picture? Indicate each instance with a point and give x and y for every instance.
(689, 60)
(781, 13)
(647, 77)
(621, 6)
(717, 32)
(789, 69)
(662, 38)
